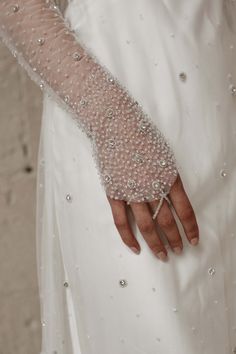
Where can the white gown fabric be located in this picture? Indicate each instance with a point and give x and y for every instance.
(188, 304)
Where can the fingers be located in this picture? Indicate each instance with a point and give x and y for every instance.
(119, 213)
(184, 210)
(166, 221)
(147, 228)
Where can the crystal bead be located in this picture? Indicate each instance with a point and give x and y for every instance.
(15, 8)
(211, 271)
(68, 197)
(40, 41)
(163, 163)
(223, 173)
(183, 76)
(111, 80)
(233, 90)
(77, 56)
(137, 158)
(143, 126)
(123, 283)
(111, 143)
(83, 102)
(109, 113)
(41, 85)
(107, 178)
(131, 183)
(66, 98)
(66, 284)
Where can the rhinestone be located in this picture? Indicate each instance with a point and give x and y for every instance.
(163, 163)
(211, 271)
(66, 98)
(76, 56)
(131, 183)
(183, 76)
(137, 158)
(223, 173)
(66, 284)
(43, 324)
(143, 126)
(109, 113)
(111, 143)
(41, 85)
(111, 80)
(83, 102)
(156, 185)
(107, 178)
(68, 197)
(123, 283)
(233, 90)
(40, 41)
(15, 8)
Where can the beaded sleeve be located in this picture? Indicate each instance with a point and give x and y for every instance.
(135, 163)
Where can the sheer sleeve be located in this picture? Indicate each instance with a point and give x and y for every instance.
(135, 163)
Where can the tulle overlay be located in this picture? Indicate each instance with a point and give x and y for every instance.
(178, 59)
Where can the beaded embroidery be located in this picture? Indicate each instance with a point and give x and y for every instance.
(135, 162)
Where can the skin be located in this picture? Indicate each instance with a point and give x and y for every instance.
(165, 220)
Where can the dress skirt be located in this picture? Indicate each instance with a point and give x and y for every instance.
(178, 59)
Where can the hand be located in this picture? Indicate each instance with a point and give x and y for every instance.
(143, 215)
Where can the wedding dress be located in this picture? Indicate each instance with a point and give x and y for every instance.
(178, 59)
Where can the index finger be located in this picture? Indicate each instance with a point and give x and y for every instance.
(184, 210)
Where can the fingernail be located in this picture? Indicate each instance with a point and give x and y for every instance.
(162, 256)
(135, 250)
(194, 241)
(177, 250)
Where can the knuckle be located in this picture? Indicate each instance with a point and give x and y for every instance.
(166, 221)
(146, 227)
